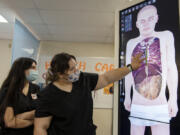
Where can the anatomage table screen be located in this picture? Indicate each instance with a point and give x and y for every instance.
(149, 96)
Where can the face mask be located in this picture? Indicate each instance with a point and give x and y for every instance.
(33, 75)
(74, 76)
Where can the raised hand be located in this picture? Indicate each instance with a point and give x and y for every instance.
(137, 61)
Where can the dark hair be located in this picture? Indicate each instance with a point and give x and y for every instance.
(14, 84)
(59, 64)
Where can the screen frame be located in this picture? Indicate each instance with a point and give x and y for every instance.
(117, 42)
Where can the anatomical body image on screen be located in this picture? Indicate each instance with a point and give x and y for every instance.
(149, 105)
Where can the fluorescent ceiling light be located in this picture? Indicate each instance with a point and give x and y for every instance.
(2, 19)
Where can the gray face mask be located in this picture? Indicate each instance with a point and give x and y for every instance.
(74, 76)
(33, 75)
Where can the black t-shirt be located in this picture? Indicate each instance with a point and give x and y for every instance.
(72, 112)
(24, 104)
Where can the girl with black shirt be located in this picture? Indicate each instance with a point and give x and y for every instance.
(65, 106)
(18, 98)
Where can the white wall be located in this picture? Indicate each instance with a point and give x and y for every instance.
(102, 117)
(5, 58)
(78, 49)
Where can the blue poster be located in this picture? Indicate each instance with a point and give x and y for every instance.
(24, 43)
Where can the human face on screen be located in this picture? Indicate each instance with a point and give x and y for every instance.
(146, 21)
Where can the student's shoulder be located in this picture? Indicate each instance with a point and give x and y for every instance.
(133, 41)
(47, 91)
(50, 95)
(86, 75)
(166, 33)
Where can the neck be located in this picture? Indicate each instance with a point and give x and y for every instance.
(147, 35)
(63, 85)
(63, 82)
(26, 83)
(26, 88)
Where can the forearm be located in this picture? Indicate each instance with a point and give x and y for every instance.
(127, 92)
(116, 74)
(128, 84)
(23, 123)
(172, 82)
(26, 115)
(41, 125)
(40, 131)
(19, 123)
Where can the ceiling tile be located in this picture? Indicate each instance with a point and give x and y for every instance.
(89, 31)
(84, 19)
(39, 28)
(75, 5)
(19, 3)
(46, 36)
(65, 20)
(8, 14)
(3, 4)
(82, 38)
(29, 15)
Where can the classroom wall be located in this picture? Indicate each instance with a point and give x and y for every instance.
(102, 117)
(5, 58)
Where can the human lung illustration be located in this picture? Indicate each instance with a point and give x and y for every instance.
(148, 77)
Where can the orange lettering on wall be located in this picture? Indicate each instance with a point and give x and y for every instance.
(104, 68)
(47, 65)
(111, 67)
(82, 66)
(98, 66)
